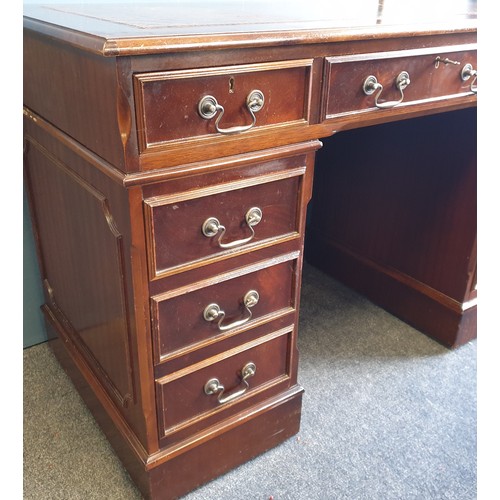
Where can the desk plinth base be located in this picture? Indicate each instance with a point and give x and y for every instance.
(403, 297)
(174, 471)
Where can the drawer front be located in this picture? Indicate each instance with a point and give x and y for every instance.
(222, 385)
(434, 74)
(200, 226)
(223, 306)
(169, 109)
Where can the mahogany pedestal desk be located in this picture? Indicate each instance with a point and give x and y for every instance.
(169, 153)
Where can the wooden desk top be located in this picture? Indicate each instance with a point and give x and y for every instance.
(126, 29)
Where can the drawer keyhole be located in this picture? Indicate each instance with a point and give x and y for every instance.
(231, 85)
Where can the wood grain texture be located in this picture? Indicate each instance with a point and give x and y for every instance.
(122, 173)
(403, 205)
(119, 139)
(277, 199)
(162, 475)
(122, 438)
(188, 467)
(345, 76)
(88, 285)
(178, 314)
(445, 320)
(80, 271)
(183, 404)
(165, 98)
(183, 26)
(182, 205)
(75, 91)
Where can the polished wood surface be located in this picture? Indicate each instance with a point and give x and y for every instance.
(430, 79)
(172, 26)
(170, 97)
(268, 353)
(116, 129)
(177, 328)
(122, 171)
(74, 206)
(89, 116)
(275, 196)
(379, 212)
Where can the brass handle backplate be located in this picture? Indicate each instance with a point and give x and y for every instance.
(208, 108)
(372, 85)
(211, 227)
(213, 312)
(213, 386)
(469, 72)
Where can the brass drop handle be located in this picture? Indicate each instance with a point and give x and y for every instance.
(469, 72)
(208, 108)
(213, 312)
(213, 386)
(211, 227)
(371, 85)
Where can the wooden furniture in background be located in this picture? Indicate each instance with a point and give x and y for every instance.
(169, 154)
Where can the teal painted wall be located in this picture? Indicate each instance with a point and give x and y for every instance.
(33, 327)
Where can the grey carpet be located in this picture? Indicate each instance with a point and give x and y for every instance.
(387, 414)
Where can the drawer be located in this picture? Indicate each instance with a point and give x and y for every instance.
(365, 82)
(174, 106)
(196, 227)
(217, 387)
(222, 306)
